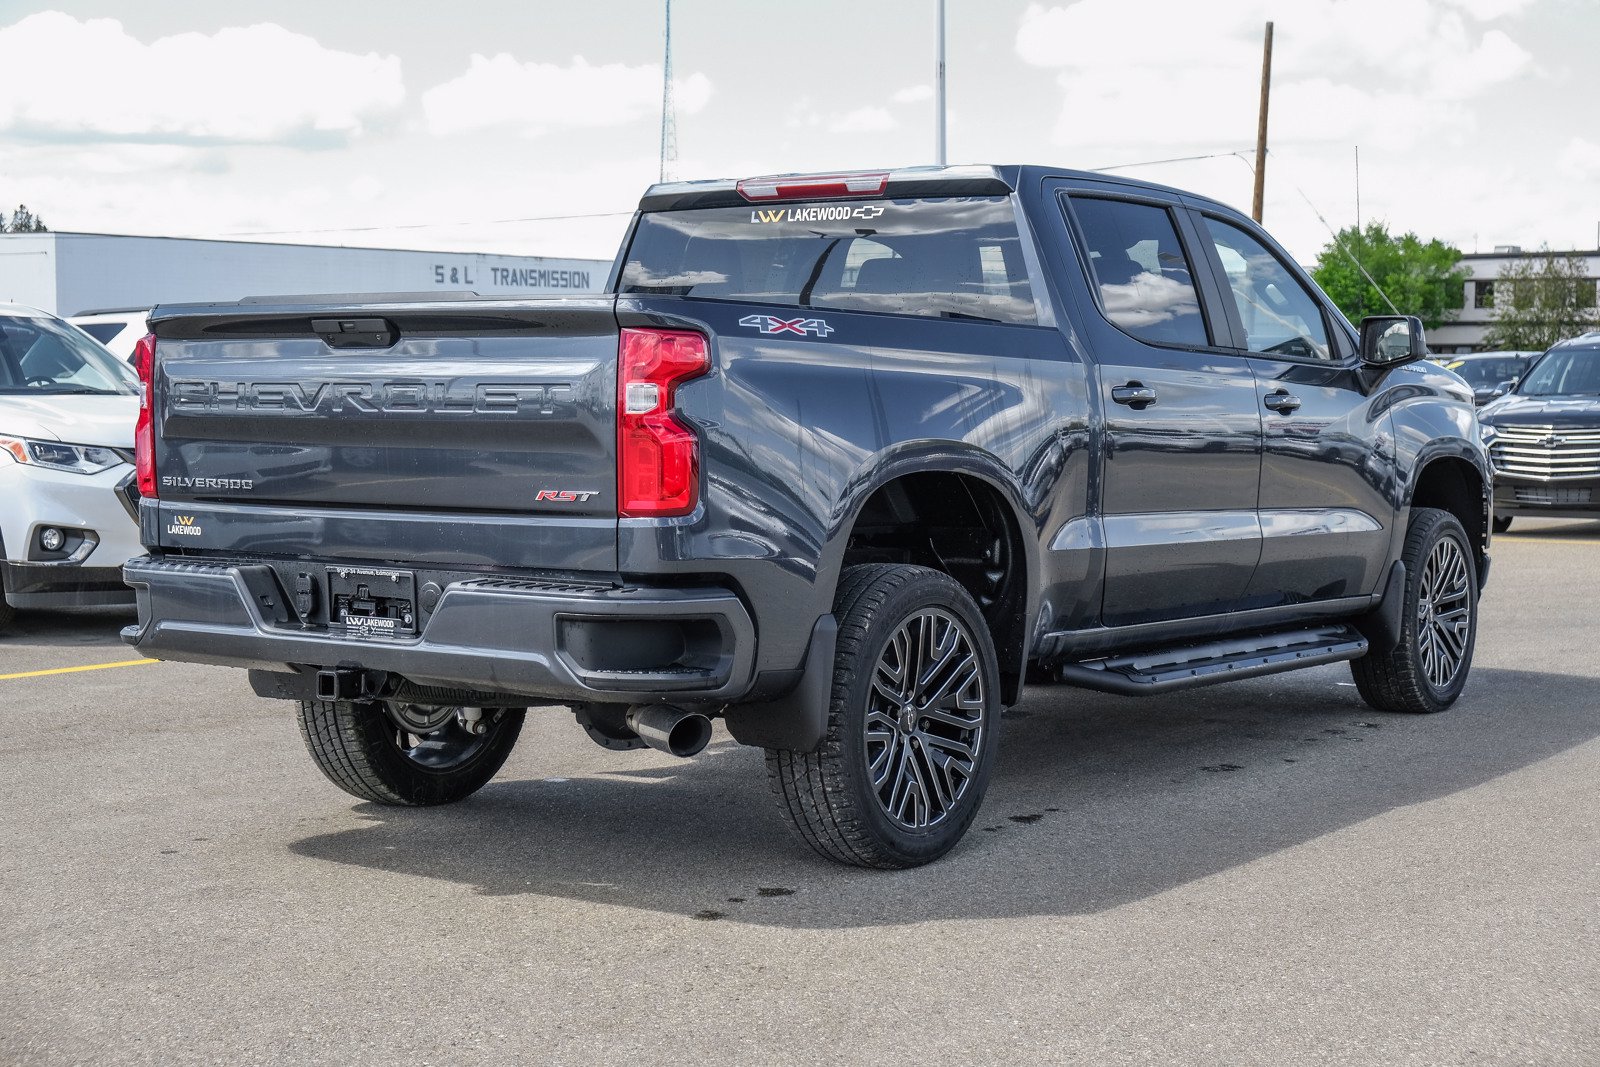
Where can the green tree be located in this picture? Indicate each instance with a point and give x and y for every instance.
(1541, 299)
(22, 221)
(1423, 278)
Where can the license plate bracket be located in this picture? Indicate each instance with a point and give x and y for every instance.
(373, 602)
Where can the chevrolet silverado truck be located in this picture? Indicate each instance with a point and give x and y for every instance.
(844, 461)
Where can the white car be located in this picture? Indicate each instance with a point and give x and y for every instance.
(68, 495)
(119, 329)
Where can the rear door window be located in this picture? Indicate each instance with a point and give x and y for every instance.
(952, 257)
(1144, 279)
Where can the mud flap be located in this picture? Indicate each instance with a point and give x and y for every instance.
(1381, 626)
(798, 720)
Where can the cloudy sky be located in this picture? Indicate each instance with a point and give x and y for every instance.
(533, 126)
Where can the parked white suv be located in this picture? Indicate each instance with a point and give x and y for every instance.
(67, 490)
(119, 329)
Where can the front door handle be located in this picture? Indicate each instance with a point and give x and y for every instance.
(1281, 401)
(1136, 395)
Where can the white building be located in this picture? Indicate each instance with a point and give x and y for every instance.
(68, 273)
(1465, 332)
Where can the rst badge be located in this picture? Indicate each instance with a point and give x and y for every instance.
(770, 324)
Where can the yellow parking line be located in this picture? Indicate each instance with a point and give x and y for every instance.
(1529, 540)
(74, 670)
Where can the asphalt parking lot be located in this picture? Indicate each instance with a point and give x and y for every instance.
(1267, 872)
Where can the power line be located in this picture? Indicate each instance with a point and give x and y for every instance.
(1176, 159)
(1344, 248)
(416, 225)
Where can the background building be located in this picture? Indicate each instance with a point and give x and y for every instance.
(67, 273)
(1465, 332)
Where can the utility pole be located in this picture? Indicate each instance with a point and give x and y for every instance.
(938, 89)
(1261, 127)
(669, 121)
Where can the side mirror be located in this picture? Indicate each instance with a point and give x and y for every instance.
(1505, 387)
(1387, 340)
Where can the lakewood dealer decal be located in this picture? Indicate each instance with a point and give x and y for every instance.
(816, 213)
(184, 527)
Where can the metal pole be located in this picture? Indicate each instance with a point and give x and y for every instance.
(1261, 127)
(669, 130)
(938, 91)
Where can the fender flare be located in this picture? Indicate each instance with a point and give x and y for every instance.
(942, 457)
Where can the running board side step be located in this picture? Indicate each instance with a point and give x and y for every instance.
(1188, 666)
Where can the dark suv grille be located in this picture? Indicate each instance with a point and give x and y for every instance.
(1534, 494)
(1546, 452)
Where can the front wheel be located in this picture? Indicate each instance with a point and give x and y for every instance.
(912, 724)
(407, 754)
(1427, 668)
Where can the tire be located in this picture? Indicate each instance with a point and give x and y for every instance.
(1415, 675)
(8, 614)
(359, 747)
(1502, 523)
(927, 792)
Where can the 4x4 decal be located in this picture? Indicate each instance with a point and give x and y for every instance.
(772, 324)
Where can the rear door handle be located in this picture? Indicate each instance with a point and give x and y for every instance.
(1135, 394)
(1281, 401)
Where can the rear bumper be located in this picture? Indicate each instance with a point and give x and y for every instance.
(543, 640)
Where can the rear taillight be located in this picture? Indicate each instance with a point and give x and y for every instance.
(144, 431)
(658, 457)
(813, 186)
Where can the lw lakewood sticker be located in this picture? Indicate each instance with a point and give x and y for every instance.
(184, 526)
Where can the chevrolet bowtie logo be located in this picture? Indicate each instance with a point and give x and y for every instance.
(1552, 440)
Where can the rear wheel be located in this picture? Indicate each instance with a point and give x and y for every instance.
(912, 724)
(1427, 668)
(1502, 523)
(406, 754)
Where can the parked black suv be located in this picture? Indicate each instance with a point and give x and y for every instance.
(1544, 437)
(843, 460)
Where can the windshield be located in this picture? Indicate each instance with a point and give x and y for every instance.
(1487, 371)
(42, 356)
(955, 257)
(1564, 372)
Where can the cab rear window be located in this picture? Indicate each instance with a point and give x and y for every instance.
(955, 257)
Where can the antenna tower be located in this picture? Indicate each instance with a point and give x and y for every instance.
(669, 118)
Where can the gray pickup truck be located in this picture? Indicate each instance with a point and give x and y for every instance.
(842, 460)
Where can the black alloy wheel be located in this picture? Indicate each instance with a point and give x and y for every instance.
(925, 719)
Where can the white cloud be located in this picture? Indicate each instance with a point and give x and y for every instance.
(804, 114)
(911, 94)
(863, 120)
(534, 98)
(67, 80)
(1579, 159)
(1488, 10)
(1194, 83)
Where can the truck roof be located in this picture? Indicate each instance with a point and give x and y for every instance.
(961, 180)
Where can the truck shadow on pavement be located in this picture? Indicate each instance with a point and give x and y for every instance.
(77, 628)
(1098, 801)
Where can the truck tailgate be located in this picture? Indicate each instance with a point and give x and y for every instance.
(469, 411)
